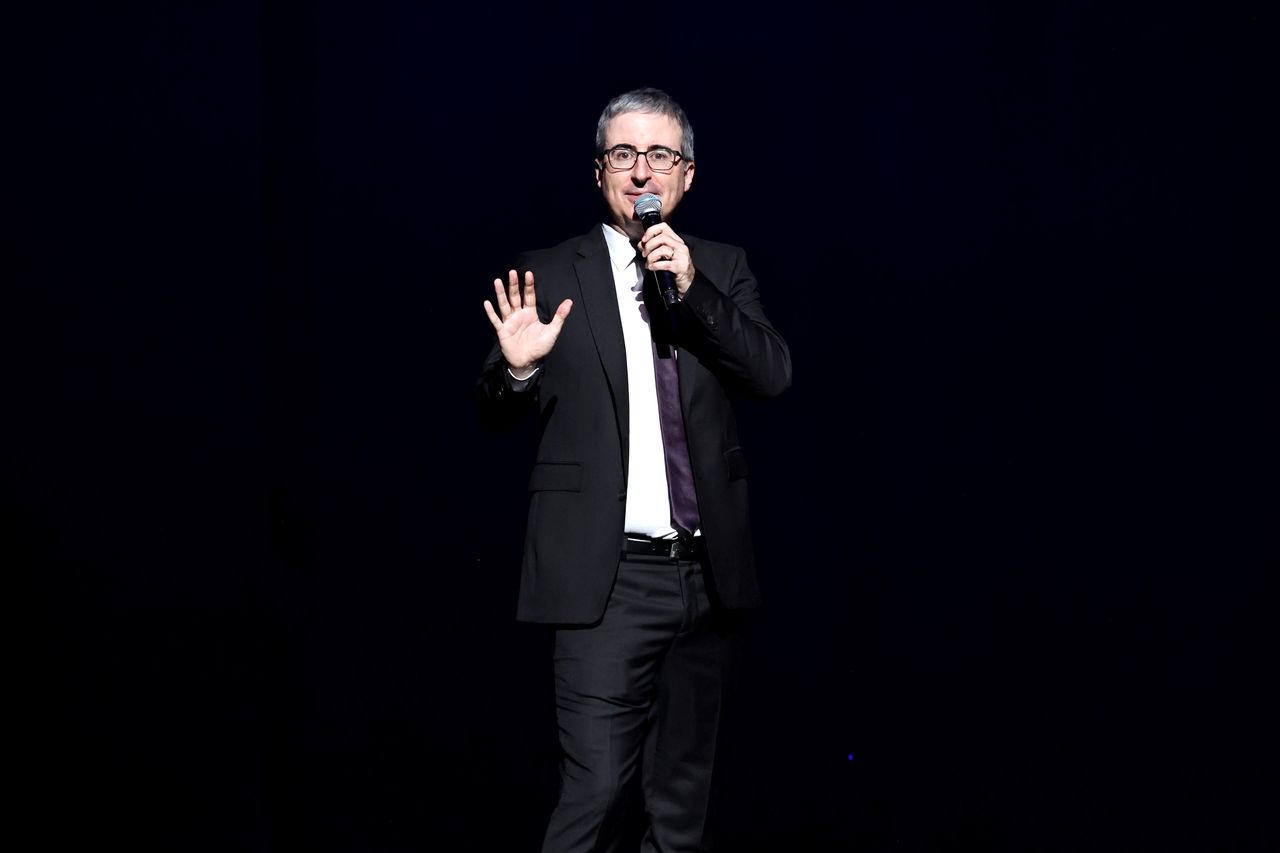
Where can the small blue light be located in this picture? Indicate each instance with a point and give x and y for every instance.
(851, 756)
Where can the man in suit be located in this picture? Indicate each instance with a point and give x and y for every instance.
(638, 546)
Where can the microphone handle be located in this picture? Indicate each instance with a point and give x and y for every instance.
(667, 284)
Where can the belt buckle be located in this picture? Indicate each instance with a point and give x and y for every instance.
(684, 549)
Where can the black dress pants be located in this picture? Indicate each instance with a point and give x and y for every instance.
(638, 699)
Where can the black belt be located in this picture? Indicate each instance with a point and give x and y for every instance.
(671, 550)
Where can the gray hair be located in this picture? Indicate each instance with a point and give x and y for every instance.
(647, 100)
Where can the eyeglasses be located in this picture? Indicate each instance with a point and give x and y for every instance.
(624, 157)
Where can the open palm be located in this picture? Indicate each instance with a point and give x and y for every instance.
(525, 340)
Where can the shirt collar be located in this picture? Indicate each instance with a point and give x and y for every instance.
(622, 252)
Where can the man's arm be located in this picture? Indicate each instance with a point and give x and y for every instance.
(724, 324)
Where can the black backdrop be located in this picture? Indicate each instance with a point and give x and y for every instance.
(1010, 513)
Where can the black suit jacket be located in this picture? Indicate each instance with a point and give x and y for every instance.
(578, 486)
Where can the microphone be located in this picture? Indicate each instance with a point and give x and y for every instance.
(649, 211)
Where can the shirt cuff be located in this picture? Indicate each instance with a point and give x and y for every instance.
(518, 384)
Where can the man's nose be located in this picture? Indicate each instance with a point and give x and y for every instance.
(640, 172)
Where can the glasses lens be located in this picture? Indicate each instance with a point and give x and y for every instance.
(622, 158)
(661, 158)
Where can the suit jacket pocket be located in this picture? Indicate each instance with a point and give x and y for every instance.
(735, 463)
(556, 477)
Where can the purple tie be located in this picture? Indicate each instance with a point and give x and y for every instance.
(680, 490)
(684, 499)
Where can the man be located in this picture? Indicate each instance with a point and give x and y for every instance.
(638, 548)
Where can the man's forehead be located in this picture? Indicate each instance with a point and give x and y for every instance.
(653, 125)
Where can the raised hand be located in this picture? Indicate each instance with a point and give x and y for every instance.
(525, 340)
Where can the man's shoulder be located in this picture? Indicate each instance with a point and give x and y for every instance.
(582, 244)
(702, 245)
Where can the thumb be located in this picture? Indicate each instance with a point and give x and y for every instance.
(561, 313)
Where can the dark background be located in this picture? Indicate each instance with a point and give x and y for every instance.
(1011, 513)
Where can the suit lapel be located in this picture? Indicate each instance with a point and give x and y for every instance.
(600, 305)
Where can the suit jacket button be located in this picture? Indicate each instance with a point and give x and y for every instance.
(622, 494)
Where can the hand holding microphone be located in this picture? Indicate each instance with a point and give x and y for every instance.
(663, 249)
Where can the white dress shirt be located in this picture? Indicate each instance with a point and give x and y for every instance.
(648, 505)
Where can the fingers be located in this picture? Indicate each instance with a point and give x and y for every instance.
(513, 291)
(504, 307)
(494, 319)
(662, 245)
(557, 319)
(665, 257)
(511, 296)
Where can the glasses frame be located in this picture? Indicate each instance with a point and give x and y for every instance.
(603, 158)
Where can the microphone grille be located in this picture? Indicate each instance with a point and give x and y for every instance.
(648, 203)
